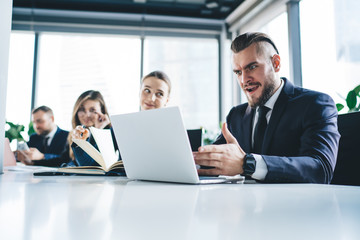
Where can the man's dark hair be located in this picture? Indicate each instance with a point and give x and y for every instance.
(245, 40)
(44, 109)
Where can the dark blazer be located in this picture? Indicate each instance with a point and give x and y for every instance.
(301, 140)
(56, 147)
(60, 161)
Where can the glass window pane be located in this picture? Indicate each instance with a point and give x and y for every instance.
(70, 64)
(331, 46)
(21, 58)
(192, 65)
(229, 81)
(277, 29)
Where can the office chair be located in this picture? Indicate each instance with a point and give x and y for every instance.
(347, 169)
(195, 138)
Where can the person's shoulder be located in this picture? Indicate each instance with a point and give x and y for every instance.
(309, 92)
(314, 103)
(62, 132)
(238, 110)
(34, 139)
(305, 94)
(293, 91)
(34, 136)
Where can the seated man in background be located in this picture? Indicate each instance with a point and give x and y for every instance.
(283, 134)
(48, 142)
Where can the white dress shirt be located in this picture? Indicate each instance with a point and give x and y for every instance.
(261, 168)
(51, 135)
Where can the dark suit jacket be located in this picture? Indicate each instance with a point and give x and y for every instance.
(301, 140)
(56, 147)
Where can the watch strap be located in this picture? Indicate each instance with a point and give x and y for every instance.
(249, 165)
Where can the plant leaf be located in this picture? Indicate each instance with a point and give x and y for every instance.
(11, 124)
(14, 131)
(339, 106)
(357, 90)
(31, 129)
(341, 96)
(351, 99)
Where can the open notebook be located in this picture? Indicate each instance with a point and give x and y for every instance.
(154, 146)
(106, 156)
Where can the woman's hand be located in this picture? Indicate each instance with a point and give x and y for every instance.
(101, 120)
(80, 132)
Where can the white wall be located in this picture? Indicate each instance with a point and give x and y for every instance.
(5, 28)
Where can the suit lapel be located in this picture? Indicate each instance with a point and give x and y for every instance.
(54, 140)
(277, 113)
(247, 129)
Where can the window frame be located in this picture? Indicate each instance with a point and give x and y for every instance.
(255, 15)
(63, 21)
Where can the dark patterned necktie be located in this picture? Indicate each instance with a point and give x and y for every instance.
(260, 129)
(45, 144)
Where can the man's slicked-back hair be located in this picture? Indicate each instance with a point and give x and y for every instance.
(245, 40)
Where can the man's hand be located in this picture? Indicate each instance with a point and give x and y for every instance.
(34, 154)
(227, 159)
(21, 155)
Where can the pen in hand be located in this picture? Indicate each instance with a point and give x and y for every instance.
(81, 134)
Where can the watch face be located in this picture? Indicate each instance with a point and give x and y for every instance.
(249, 165)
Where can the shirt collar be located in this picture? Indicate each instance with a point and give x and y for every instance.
(271, 102)
(52, 133)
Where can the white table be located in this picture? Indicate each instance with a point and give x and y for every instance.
(78, 207)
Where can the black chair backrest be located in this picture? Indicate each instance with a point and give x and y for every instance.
(347, 170)
(195, 138)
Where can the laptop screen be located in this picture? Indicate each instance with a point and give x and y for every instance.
(154, 145)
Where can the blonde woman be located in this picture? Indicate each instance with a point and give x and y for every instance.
(155, 91)
(89, 111)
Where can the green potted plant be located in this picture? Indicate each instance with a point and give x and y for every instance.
(209, 136)
(351, 100)
(14, 131)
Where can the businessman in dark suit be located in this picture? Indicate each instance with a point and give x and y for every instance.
(283, 134)
(48, 142)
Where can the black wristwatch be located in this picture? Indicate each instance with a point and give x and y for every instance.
(249, 165)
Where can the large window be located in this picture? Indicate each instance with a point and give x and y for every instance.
(192, 65)
(70, 64)
(277, 29)
(274, 22)
(330, 46)
(21, 57)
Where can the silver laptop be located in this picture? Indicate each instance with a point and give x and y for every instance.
(154, 146)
